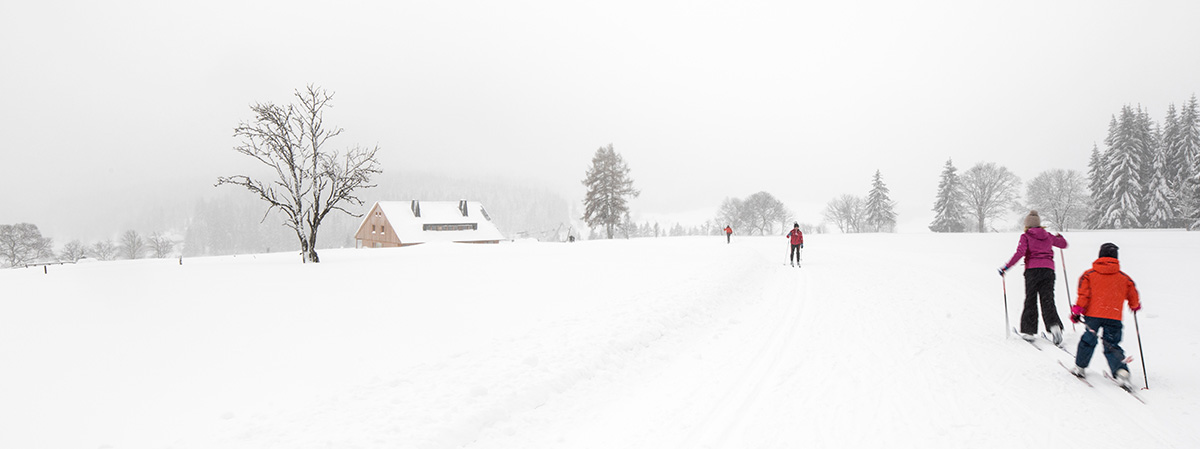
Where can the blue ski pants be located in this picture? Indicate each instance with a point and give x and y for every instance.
(1108, 331)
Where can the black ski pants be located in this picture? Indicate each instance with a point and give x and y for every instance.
(1039, 285)
(795, 253)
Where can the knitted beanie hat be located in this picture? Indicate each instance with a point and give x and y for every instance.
(1108, 250)
(1033, 220)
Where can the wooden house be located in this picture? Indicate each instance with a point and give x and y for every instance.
(402, 223)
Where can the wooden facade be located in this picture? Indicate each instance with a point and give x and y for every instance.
(376, 232)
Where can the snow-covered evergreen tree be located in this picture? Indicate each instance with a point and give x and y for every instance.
(1176, 166)
(1123, 169)
(1161, 202)
(609, 189)
(1148, 139)
(1189, 143)
(949, 215)
(1096, 186)
(881, 210)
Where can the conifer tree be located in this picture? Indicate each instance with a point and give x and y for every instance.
(1096, 186)
(1148, 141)
(1189, 143)
(609, 189)
(1160, 204)
(1175, 164)
(949, 215)
(881, 210)
(1123, 173)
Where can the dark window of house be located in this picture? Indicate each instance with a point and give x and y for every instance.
(450, 227)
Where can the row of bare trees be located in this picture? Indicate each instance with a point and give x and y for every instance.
(756, 214)
(988, 191)
(23, 244)
(131, 245)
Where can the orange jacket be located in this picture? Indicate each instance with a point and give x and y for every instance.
(1104, 289)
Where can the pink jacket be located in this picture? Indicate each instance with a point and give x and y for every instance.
(1037, 247)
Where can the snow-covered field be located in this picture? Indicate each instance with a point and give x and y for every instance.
(891, 340)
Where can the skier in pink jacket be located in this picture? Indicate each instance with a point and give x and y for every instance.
(797, 239)
(1037, 247)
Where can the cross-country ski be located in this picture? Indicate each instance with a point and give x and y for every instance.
(1074, 373)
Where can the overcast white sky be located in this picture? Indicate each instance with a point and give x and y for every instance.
(108, 105)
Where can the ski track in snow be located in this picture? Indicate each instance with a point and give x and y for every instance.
(879, 340)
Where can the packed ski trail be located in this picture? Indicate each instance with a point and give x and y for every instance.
(841, 345)
(878, 340)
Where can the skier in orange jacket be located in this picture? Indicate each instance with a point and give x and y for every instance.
(1103, 291)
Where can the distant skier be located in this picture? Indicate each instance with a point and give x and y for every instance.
(1103, 291)
(1037, 247)
(728, 233)
(797, 239)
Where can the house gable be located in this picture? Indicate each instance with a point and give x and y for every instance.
(376, 231)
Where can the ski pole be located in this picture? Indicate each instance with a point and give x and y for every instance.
(1006, 326)
(1141, 354)
(1066, 282)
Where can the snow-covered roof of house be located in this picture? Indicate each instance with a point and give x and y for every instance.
(440, 221)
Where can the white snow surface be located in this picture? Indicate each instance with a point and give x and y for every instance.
(880, 340)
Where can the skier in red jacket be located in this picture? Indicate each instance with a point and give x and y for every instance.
(797, 239)
(1103, 292)
(728, 233)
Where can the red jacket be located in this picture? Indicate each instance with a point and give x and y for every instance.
(796, 236)
(728, 230)
(1104, 289)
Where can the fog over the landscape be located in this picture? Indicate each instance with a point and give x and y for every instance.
(117, 112)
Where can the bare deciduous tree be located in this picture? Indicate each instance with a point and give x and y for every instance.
(103, 250)
(132, 245)
(160, 245)
(762, 211)
(23, 243)
(310, 180)
(1061, 197)
(757, 214)
(72, 251)
(988, 191)
(847, 212)
(730, 214)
